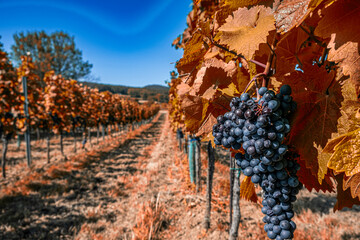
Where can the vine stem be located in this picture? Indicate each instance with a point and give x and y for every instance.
(254, 80)
(311, 35)
(267, 72)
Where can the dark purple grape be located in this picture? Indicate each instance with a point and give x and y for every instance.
(277, 229)
(267, 143)
(282, 217)
(281, 175)
(218, 136)
(269, 153)
(286, 206)
(251, 150)
(279, 166)
(271, 202)
(262, 91)
(285, 234)
(274, 105)
(271, 135)
(267, 96)
(244, 164)
(228, 123)
(274, 220)
(249, 114)
(277, 210)
(220, 119)
(271, 235)
(264, 209)
(293, 182)
(224, 142)
(248, 171)
(293, 225)
(254, 162)
(261, 132)
(238, 112)
(270, 169)
(236, 146)
(277, 194)
(255, 179)
(289, 214)
(244, 97)
(230, 140)
(284, 224)
(266, 111)
(285, 90)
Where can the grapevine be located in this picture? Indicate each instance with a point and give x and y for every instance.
(309, 45)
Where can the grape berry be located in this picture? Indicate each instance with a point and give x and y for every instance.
(259, 128)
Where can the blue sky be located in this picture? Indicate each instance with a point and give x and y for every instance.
(128, 42)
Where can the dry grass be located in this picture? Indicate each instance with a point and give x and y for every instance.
(151, 218)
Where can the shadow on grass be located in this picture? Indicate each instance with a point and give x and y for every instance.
(319, 204)
(17, 211)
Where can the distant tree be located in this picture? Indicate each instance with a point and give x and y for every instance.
(1, 45)
(144, 94)
(91, 78)
(56, 52)
(135, 93)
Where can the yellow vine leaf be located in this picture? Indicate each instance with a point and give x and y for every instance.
(247, 190)
(347, 123)
(246, 29)
(193, 53)
(346, 156)
(230, 90)
(323, 159)
(193, 107)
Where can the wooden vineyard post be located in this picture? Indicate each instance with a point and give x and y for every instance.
(185, 144)
(197, 164)
(103, 131)
(74, 133)
(192, 160)
(231, 187)
(236, 215)
(179, 139)
(18, 141)
(89, 136)
(27, 132)
(209, 181)
(48, 145)
(97, 134)
(4, 150)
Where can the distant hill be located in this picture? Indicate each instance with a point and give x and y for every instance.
(157, 87)
(152, 92)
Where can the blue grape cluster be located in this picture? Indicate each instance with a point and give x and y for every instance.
(259, 127)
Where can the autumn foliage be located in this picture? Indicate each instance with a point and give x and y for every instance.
(59, 105)
(311, 45)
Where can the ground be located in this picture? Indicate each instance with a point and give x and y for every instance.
(136, 186)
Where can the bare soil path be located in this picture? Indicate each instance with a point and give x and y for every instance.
(58, 210)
